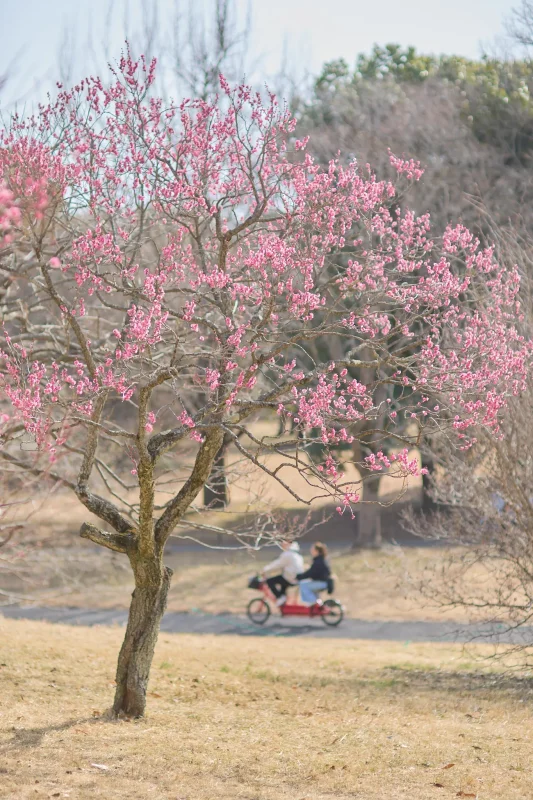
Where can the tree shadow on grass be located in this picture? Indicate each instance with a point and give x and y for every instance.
(32, 737)
(398, 680)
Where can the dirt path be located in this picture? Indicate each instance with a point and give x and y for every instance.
(229, 624)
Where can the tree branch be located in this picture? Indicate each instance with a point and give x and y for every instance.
(199, 475)
(104, 509)
(162, 442)
(39, 472)
(119, 542)
(91, 443)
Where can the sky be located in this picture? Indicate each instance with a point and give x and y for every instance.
(310, 32)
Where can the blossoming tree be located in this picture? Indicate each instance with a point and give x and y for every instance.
(159, 254)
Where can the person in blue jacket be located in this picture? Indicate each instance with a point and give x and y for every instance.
(316, 577)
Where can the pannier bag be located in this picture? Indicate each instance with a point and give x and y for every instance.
(254, 582)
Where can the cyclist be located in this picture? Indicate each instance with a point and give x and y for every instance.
(286, 567)
(315, 578)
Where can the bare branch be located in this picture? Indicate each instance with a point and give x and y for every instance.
(199, 475)
(119, 542)
(105, 510)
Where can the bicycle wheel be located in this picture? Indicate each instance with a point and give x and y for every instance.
(258, 611)
(335, 615)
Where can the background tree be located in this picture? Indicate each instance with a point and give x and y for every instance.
(484, 502)
(486, 521)
(164, 253)
(469, 124)
(194, 44)
(520, 24)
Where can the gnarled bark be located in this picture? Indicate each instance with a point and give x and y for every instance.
(119, 542)
(148, 604)
(369, 516)
(428, 464)
(367, 528)
(144, 547)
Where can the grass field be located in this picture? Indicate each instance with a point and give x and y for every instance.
(259, 719)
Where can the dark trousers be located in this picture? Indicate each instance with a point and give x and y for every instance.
(278, 585)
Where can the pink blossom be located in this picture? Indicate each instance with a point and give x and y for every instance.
(222, 296)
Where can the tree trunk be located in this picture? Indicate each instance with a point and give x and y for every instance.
(428, 504)
(148, 604)
(216, 488)
(368, 525)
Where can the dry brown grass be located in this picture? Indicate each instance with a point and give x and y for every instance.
(258, 719)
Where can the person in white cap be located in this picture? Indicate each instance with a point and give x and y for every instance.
(286, 567)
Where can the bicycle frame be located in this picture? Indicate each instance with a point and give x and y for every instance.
(295, 609)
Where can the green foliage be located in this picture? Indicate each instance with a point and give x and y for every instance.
(494, 95)
(393, 62)
(334, 73)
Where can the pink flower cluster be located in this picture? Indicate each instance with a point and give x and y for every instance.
(410, 168)
(9, 214)
(185, 249)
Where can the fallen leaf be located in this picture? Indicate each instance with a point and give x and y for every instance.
(99, 766)
(154, 694)
(448, 766)
(466, 794)
(438, 785)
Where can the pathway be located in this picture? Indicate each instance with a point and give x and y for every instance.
(232, 624)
